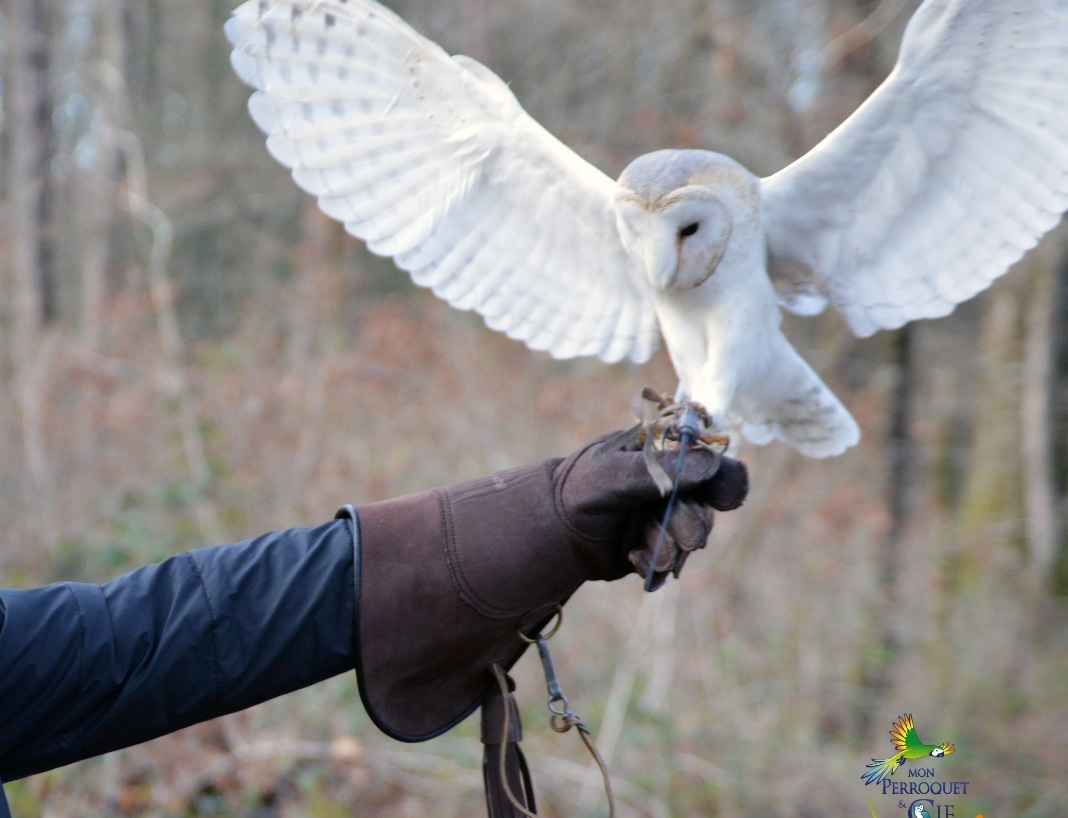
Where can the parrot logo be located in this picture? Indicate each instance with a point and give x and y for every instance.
(908, 746)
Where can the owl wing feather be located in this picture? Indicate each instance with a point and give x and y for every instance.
(432, 161)
(948, 174)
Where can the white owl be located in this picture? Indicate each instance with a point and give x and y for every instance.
(953, 168)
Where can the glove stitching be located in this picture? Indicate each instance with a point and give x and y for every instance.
(558, 495)
(464, 588)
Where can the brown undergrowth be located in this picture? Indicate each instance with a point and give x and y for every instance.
(740, 691)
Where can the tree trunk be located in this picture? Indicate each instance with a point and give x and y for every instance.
(101, 184)
(29, 136)
(1036, 437)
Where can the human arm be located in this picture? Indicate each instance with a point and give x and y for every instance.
(391, 590)
(88, 669)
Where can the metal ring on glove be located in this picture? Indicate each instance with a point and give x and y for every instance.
(558, 616)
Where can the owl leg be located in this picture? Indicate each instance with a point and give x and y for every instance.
(660, 416)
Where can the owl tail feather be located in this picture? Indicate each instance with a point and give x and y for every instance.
(789, 402)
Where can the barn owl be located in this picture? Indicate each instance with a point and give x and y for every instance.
(944, 177)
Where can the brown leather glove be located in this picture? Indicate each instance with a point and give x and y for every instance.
(445, 578)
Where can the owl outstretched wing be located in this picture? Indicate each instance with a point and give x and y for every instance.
(949, 172)
(431, 160)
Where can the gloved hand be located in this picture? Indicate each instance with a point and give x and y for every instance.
(608, 499)
(446, 578)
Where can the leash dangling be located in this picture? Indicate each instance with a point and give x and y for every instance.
(689, 428)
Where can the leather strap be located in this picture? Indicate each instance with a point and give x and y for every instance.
(509, 790)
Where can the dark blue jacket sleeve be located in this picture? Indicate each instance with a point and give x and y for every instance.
(85, 669)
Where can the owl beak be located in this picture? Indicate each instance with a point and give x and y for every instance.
(662, 272)
(662, 262)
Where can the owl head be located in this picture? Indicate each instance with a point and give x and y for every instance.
(678, 211)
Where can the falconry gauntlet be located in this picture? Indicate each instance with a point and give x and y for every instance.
(446, 578)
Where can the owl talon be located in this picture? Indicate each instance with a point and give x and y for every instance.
(660, 416)
(722, 441)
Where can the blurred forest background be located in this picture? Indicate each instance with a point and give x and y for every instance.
(191, 353)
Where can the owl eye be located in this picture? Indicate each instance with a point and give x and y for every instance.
(689, 229)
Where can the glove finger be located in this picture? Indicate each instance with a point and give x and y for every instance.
(680, 561)
(598, 482)
(698, 467)
(727, 488)
(641, 558)
(688, 529)
(617, 460)
(626, 477)
(690, 524)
